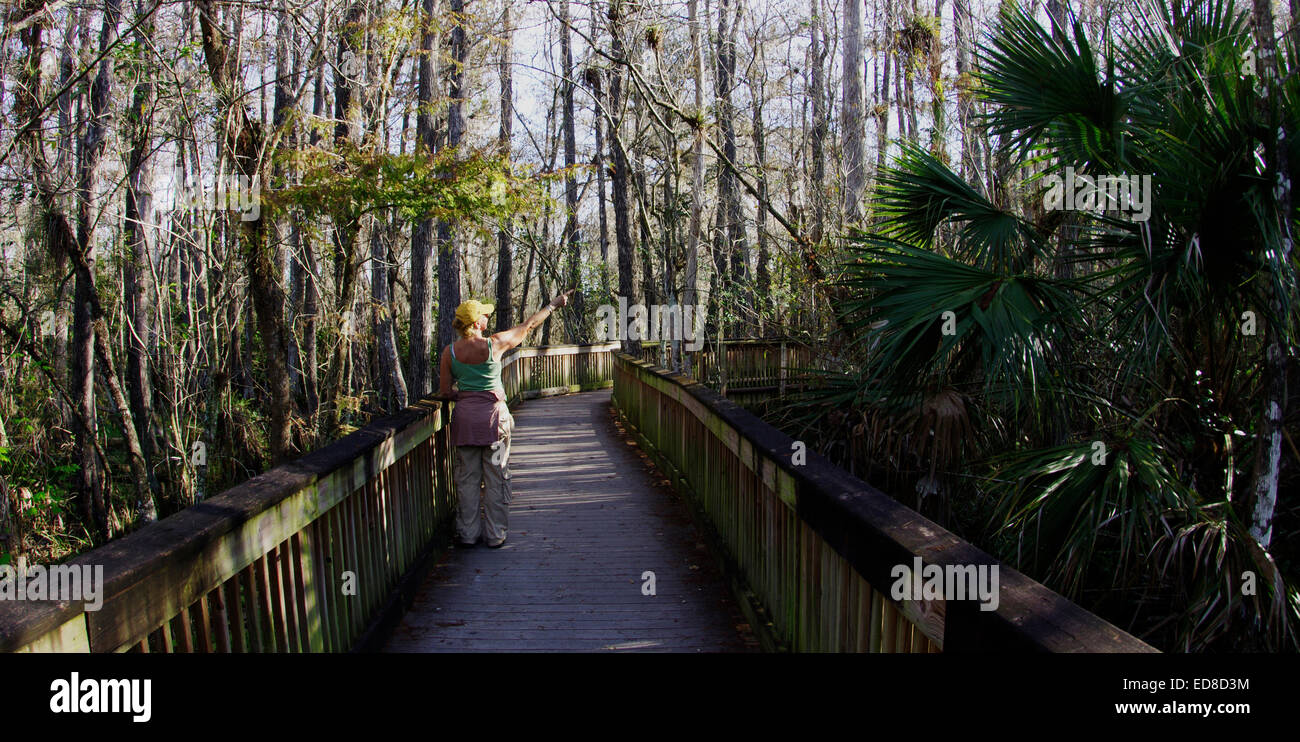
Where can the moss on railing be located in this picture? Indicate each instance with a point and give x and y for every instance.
(319, 554)
(813, 551)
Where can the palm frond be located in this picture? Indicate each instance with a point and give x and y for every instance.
(1049, 93)
(1059, 502)
(918, 195)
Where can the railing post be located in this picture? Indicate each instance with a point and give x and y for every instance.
(781, 371)
(311, 587)
(810, 546)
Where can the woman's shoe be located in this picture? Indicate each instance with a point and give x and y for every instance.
(496, 545)
(465, 544)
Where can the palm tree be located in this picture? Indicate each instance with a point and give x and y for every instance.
(1079, 388)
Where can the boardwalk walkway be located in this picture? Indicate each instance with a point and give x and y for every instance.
(587, 521)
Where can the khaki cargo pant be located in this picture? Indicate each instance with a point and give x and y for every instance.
(484, 469)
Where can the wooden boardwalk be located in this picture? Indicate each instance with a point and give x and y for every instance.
(586, 522)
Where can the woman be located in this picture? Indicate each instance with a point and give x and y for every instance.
(481, 423)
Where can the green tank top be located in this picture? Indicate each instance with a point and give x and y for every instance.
(479, 377)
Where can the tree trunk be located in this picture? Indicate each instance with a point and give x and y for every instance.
(528, 278)
(349, 62)
(622, 219)
(728, 242)
(92, 332)
(598, 163)
(851, 112)
(420, 378)
(668, 226)
(448, 247)
(244, 139)
(285, 79)
(505, 265)
(311, 291)
(645, 204)
(571, 238)
(735, 224)
(691, 294)
(764, 278)
(1262, 500)
(63, 245)
(882, 115)
(817, 59)
(939, 126)
(137, 268)
(389, 365)
(964, 33)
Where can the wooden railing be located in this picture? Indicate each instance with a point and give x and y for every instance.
(812, 550)
(533, 372)
(748, 366)
(319, 554)
(323, 553)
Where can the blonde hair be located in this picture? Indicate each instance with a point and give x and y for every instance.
(461, 328)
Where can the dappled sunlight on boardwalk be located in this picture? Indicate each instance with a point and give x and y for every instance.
(586, 523)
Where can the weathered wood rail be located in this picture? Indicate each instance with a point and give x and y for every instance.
(811, 548)
(533, 372)
(264, 566)
(744, 366)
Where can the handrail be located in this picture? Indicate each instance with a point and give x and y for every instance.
(317, 554)
(747, 366)
(556, 369)
(263, 565)
(321, 553)
(813, 549)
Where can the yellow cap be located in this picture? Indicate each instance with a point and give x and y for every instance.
(469, 312)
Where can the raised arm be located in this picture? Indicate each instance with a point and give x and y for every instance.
(515, 336)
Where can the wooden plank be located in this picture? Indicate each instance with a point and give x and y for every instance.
(330, 583)
(375, 562)
(358, 558)
(903, 634)
(291, 582)
(202, 626)
(322, 577)
(235, 609)
(69, 637)
(311, 620)
(370, 533)
(383, 523)
(401, 541)
(220, 620)
(275, 597)
(289, 590)
(253, 611)
(889, 627)
(183, 632)
(343, 565)
(579, 540)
